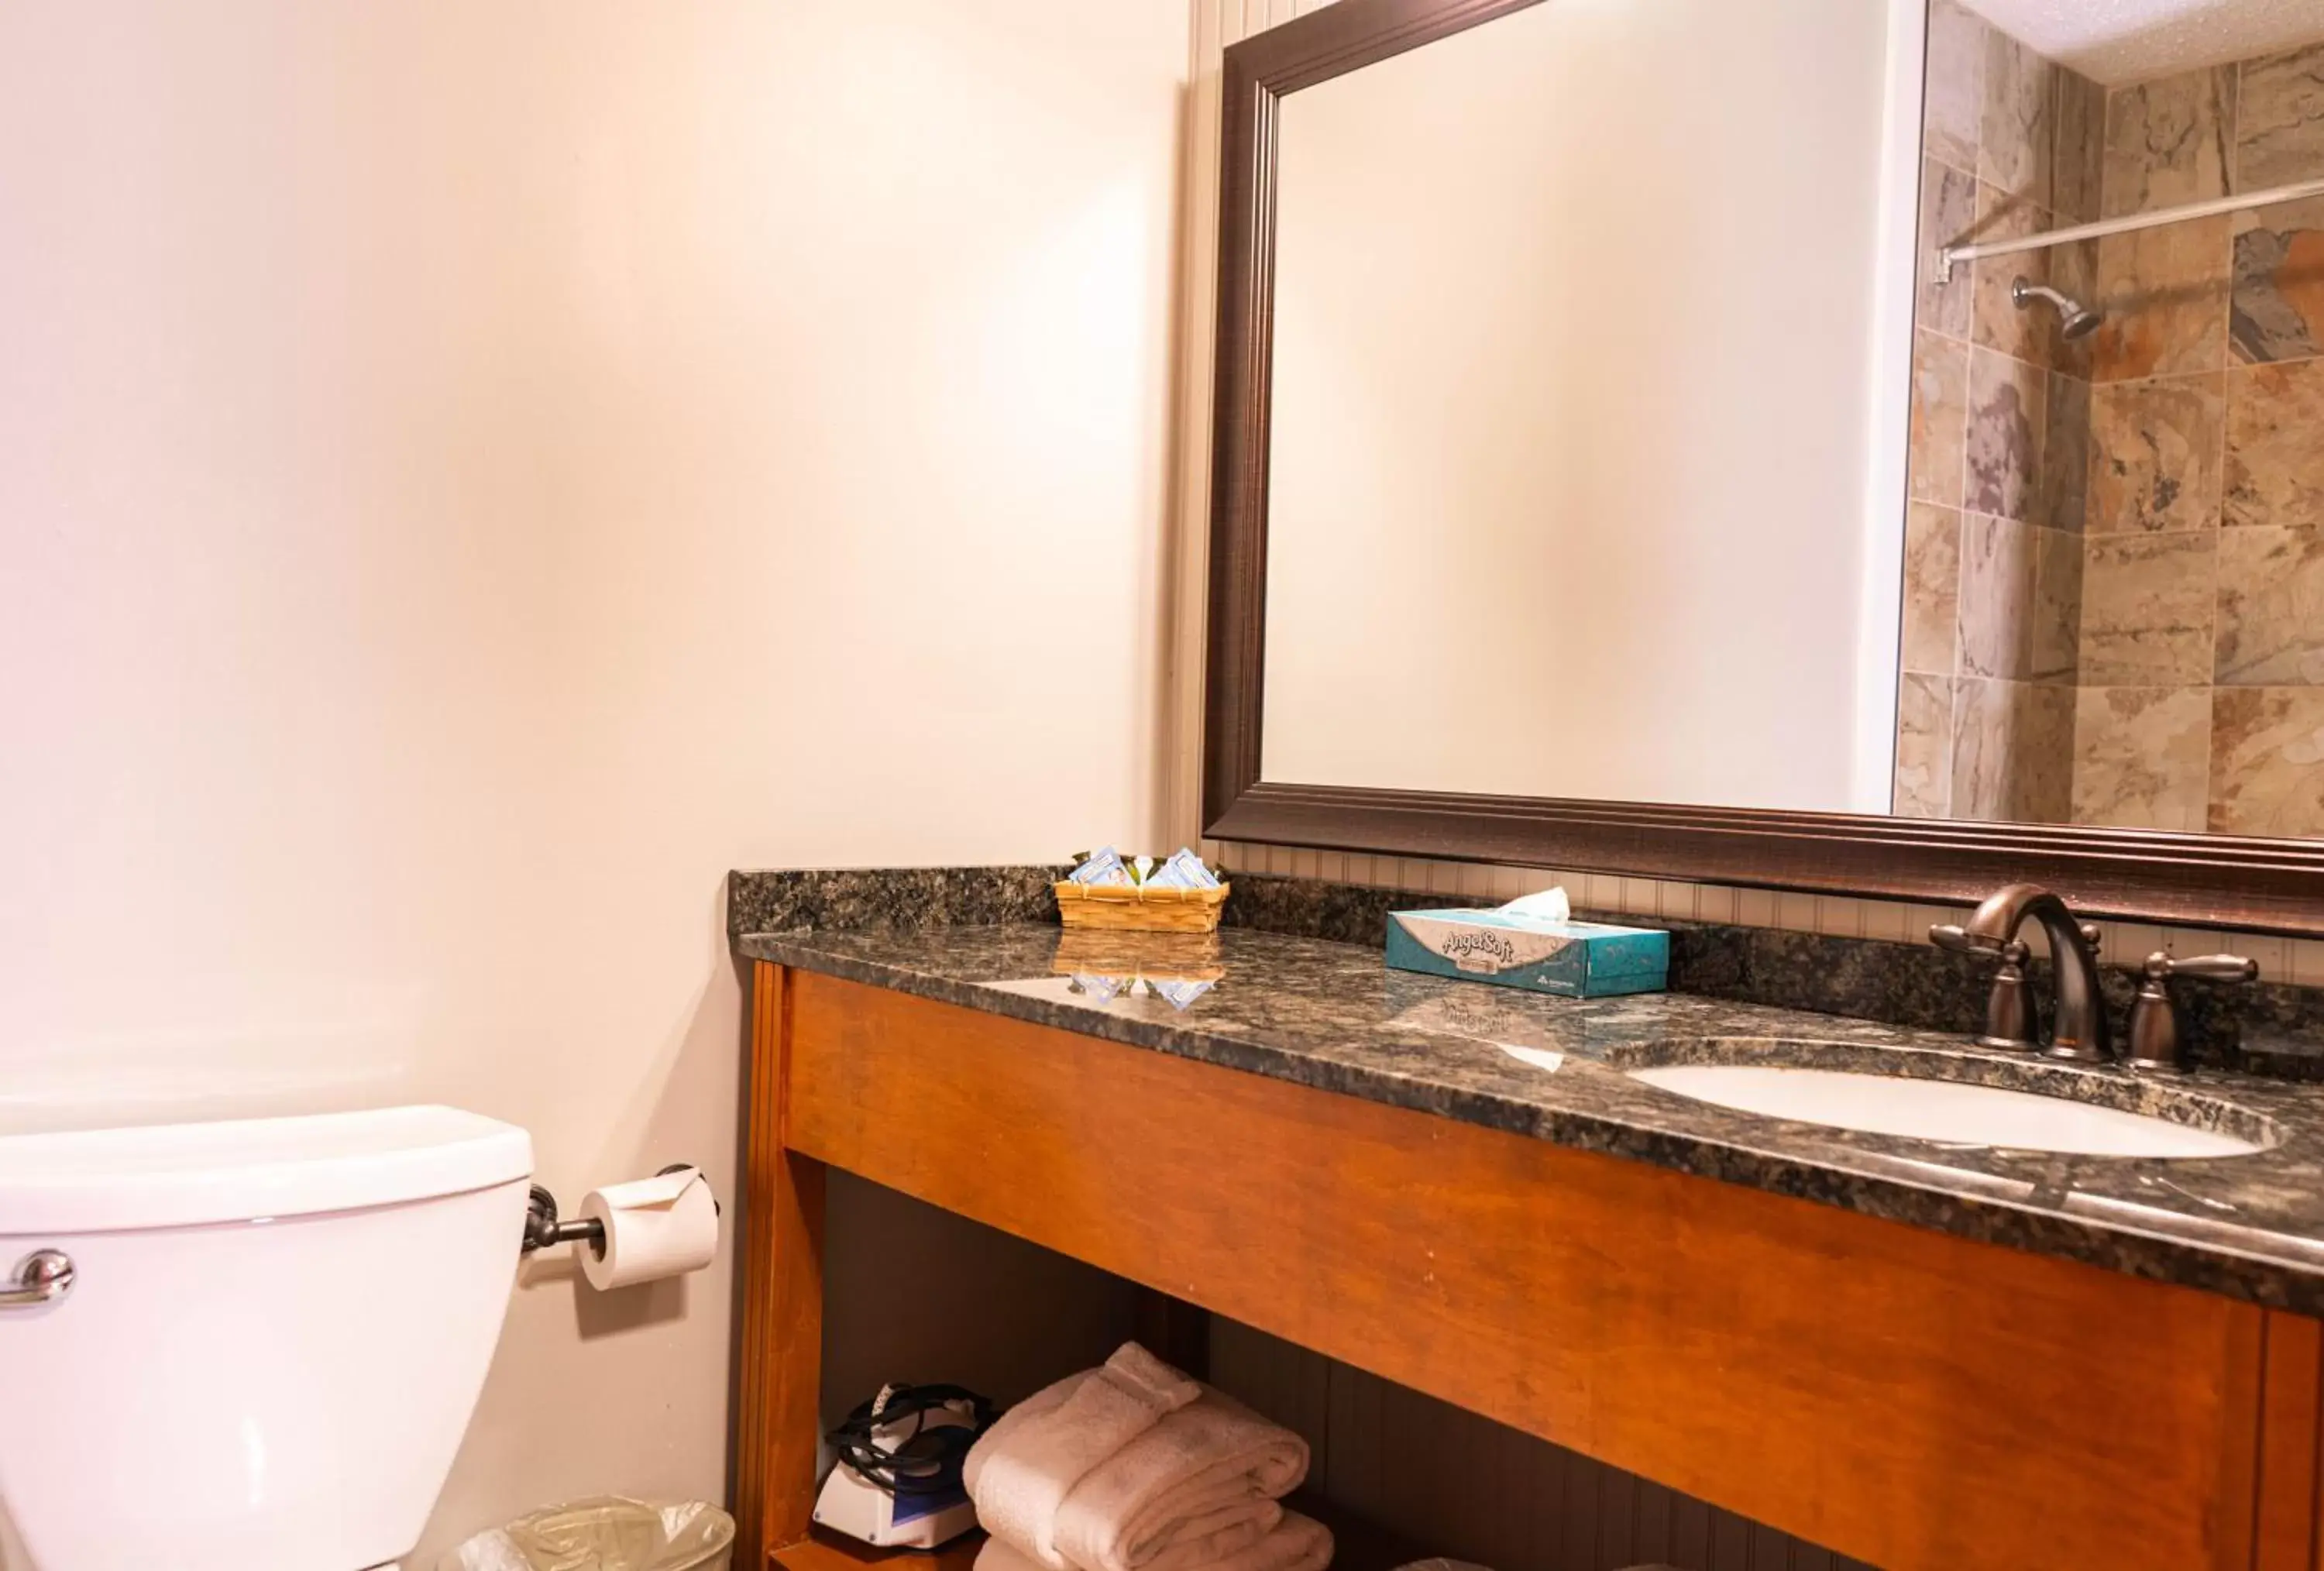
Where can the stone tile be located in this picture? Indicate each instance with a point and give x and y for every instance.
(2165, 294)
(2053, 640)
(1940, 418)
(2041, 776)
(2278, 302)
(1925, 745)
(2278, 310)
(2142, 758)
(2015, 143)
(1931, 588)
(1947, 216)
(1996, 597)
(2271, 615)
(2066, 456)
(2030, 335)
(2169, 141)
(2280, 119)
(2268, 761)
(2147, 609)
(1982, 733)
(1954, 101)
(2008, 402)
(2275, 455)
(2074, 271)
(2013, 752)
(2156, 455)
(2077, 166)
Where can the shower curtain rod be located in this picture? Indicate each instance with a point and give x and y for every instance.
(1952, 256)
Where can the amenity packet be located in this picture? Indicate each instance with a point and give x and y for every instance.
(1103, 868)
(1180, 992)
(1184, 870)
(1100, 989)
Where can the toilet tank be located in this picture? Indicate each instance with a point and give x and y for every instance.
(274, 1336)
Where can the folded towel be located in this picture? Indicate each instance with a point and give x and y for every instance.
(1022, 1469)
(1189, 1492)
(1297, 1544)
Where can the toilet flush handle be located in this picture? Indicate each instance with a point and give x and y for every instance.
(43, 1276)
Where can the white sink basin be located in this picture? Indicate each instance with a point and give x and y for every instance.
(1939, 1110)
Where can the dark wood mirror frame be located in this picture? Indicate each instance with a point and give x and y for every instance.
(2274, 885)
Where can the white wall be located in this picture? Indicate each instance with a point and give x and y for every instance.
(1575, 316)
(470, 473)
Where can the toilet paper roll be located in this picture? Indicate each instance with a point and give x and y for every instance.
(654, 1228)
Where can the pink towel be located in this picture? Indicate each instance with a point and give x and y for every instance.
(1022, 1470)
(1192, 1492)
(1088, 1475)
(1297, 1544)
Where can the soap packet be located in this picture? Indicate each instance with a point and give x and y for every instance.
(1184, 870)
(1103, 869)
(1099, 990)
(1180, 992)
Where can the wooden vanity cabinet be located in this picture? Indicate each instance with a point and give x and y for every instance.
(1912, 1399)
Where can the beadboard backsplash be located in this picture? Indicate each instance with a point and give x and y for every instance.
(2299, 962)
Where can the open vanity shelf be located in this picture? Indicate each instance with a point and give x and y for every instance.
(824, 1551)
(1361, 1547)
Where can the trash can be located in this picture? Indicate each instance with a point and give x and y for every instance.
(605, 1534)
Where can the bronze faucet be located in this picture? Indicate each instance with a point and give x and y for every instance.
(2079, 1031)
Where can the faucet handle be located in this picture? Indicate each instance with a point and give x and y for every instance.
(1954, 938)
(2157, 1031)
(2009, 1017)
(2202, 967)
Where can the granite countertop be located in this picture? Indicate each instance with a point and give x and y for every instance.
(1332, 1016)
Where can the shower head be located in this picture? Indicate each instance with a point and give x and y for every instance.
(2076, 321)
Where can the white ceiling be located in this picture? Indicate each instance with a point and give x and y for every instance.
(2128, 41)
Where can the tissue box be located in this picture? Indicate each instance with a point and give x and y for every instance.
(1570, 959)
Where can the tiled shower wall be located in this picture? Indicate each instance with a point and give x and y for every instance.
(2201, 703)
(2115, 582)
(1993, 538)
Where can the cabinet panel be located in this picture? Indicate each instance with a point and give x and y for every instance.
(1916, 1401)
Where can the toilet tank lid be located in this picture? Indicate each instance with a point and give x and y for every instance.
(180, 1175)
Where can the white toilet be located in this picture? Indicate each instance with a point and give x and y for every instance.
(267, 1343)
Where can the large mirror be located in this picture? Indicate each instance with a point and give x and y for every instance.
(1664, 435)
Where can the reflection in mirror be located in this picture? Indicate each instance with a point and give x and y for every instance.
(1585, 473)
(2114, 609)
(1573, 482)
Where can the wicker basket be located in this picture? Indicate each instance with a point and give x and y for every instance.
(1136, 908)
(1157, 957)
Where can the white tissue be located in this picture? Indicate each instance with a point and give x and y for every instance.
(1549, 906)
(654, 1228)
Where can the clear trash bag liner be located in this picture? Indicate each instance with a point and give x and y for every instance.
(605, 1534)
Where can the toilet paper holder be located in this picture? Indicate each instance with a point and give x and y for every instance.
(543, 1230)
